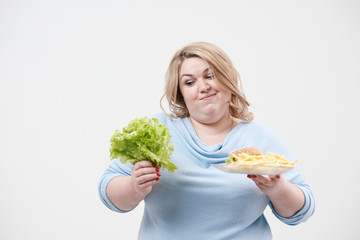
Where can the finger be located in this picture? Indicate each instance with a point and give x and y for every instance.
(275, 178)
(254, 178)
(149, 183)
(144, 171)
(259, 178)
(262, 182)
(146, 187)
(142, 164)
(146, 178)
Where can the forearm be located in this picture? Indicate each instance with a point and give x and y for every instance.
(122, 193)
(287, 200)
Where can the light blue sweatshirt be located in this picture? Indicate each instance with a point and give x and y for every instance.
(199, 201)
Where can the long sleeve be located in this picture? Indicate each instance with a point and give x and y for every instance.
(272, 143)
(115, 169)
(307, 210)
(200, 200)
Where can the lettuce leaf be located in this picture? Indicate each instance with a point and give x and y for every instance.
(143, 139)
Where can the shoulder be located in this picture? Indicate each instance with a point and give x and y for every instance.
(257, 129)
(171, 123)
(261, 136)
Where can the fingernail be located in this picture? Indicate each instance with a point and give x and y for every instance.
(277, 176)
(157, 169)
(157, 179)
(159, 174)
(153, 165)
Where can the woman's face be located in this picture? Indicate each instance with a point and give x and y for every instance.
(206, 100)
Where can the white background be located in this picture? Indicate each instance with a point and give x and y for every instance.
(71, 72)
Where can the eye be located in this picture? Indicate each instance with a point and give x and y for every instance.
(210, 76)
(189, 83)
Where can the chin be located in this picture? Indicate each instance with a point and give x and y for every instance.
(209, 114)
(212, 117)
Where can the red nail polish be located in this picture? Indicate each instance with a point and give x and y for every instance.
(159, 174)
(277, 176)
(157, 169)
(157, 179)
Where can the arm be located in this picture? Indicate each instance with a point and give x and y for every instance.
(126, 192)
(286, 197)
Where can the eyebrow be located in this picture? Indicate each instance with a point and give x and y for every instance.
(190, 75)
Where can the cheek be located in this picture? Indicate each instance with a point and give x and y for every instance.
(226, 96)
(189, 95)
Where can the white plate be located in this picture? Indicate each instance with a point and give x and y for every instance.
(252, 169)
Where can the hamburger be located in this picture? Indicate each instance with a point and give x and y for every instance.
(251, 160)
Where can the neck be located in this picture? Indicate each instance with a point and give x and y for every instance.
(216, 132)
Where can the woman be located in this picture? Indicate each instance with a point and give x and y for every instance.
(209, 119)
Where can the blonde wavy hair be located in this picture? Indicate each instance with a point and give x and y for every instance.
(224, 71)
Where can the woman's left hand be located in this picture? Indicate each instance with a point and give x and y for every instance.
(287, 198)
(268, 185)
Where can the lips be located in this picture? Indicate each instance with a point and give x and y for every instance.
(208, 96)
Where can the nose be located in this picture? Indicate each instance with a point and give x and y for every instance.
(203, 85)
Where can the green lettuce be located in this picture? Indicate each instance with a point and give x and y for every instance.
(143, 139)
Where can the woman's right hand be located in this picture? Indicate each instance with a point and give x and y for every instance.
(144, 175)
